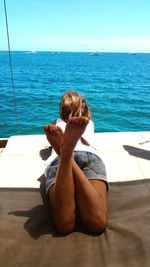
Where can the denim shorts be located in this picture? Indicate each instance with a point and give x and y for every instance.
(91, 165)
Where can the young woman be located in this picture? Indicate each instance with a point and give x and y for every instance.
(75, 174)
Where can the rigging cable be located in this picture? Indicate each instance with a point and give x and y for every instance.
(11, 68)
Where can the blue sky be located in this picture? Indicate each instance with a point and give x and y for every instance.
(77, 25)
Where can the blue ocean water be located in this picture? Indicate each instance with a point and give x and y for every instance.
(116, 86)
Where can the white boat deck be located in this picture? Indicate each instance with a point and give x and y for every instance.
(126, 155)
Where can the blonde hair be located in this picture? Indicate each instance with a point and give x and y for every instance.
(73, 105)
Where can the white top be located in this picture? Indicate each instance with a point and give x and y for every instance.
(88, 135)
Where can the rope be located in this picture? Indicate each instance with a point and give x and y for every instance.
(11, 69)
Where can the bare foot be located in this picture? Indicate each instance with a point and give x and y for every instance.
(75, 127)
(54, 135)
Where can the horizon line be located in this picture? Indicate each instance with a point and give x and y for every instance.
(71, 51)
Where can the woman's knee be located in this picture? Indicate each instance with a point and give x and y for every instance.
(97, 224)
(65, 226)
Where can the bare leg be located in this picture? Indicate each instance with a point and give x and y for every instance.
(91, 197)
(62, 194)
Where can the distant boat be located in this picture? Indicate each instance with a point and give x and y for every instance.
(31, 52)
(95, 54)
(55, 52)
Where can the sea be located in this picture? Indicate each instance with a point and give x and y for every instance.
(115, 85)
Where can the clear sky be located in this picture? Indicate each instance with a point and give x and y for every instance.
(77, 25)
